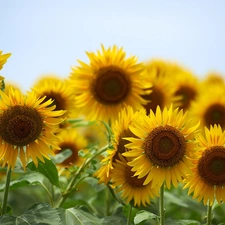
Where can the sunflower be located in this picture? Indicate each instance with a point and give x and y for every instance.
(130, 186)
(56, 89)
(72, 140)
(209, 106)
(26, 128)
(163, 147)
(3, 58)
(213, 78)
(120, 129)
(207, 179)
(186, 87)
(162, 91)
(108, 83)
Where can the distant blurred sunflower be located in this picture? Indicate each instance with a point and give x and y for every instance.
(108, 83)
(163, 147)
(163, 92)
(131, 188)
(72, 140)
(56, 89)
(213, 78)
(26, 128)
(208, 178)
(187, 87)
(209, 106)
(120, 129)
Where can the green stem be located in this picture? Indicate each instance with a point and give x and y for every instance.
(161, 206)
(49, 195)
(209, 215)
(6, 191)
(72, 183)
(129, 215)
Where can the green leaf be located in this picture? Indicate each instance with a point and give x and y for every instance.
(62, 156)
(25, 180)
(76, 216)
(144, 215)
(40, 213)
(183, 222)
(48, 169)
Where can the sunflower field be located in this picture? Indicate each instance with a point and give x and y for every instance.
(118, 141)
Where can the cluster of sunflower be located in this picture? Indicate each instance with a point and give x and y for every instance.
(167, 125)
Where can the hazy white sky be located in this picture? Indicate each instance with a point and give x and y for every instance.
(48, 36)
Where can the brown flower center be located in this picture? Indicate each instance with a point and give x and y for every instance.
(20, 125)
(156, 97)
(58, 100)
(120, 147)
(132, 180)
(111, 86)
(165, 146)
(187, 95)
(211, 165)
(73, 158)
(215, 114)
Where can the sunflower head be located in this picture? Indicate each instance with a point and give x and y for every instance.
(187, 86)
(26, 127)
(120, 129)
(107, 83)
(162, 92)
(55, 88)
(131, 188)
(213, 78)
(163, 146)
(209, 106)
(207, 179)
(72, 140)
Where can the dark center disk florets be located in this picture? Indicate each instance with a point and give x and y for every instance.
(165, 146)
(111, 86)
(211, 165)
(20, 125)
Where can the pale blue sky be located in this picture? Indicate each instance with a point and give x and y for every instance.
(48, 36)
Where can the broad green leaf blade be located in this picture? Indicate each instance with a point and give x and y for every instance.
(25, 180)
(48, 169)
(40, 213)
(7, 220)
(143, 215)
(183, 222)
(76, 216)
(62, 156)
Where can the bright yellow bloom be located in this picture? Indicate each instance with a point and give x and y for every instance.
(209, 106)
(163, 90)
(163, 147)
(120, 129)
(108, 83)
(187, 87)
(56, 89)
(72, 140)
(27, 127)
(207, 180)
(131, 188)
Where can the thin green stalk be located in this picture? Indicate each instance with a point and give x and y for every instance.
(72, 183)
(209, 215)
(6, 191)
(49, 195)
(129, 215)
(161, 206)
